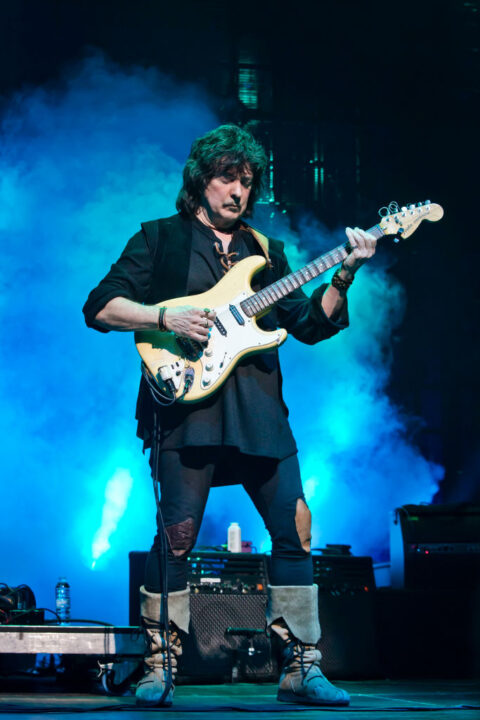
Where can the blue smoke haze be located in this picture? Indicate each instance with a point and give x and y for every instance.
(82, 163)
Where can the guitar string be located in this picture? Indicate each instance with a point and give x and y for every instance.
(262, 299)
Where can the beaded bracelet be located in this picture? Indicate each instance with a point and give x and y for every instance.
(161, 322)
(341, 283)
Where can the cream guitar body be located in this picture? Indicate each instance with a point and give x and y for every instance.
(183, 370)
(205, 367)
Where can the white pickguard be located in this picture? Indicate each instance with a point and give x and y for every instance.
(223, 350)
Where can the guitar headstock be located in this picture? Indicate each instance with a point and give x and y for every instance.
(404, 221)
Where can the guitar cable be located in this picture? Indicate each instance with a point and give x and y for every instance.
(161, 398)
(157, 394)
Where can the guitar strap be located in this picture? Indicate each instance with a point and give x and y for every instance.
(262, 240)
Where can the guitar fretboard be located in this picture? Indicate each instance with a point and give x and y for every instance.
(262, 300)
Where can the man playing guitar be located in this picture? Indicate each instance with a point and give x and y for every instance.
(240, 433)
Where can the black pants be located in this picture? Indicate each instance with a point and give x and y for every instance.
(274, 486)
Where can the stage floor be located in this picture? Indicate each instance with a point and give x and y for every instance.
(397, 699)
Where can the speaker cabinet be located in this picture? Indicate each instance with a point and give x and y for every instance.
(348, 643)
(227, 639)
(428, 633)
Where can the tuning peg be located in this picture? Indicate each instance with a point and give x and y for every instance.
(396, 240)
(419, 204)
(427, 202)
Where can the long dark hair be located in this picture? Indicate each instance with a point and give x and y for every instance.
(226, 148)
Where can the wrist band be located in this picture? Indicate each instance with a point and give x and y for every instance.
(161, 323)
(339, 282)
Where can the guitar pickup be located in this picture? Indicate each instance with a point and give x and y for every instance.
(234, 310)
(220, 326)
(191, 349)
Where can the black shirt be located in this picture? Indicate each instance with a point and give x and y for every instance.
(248, 411)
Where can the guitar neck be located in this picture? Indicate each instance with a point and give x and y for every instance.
(264, 299)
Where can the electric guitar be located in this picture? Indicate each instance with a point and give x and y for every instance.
(181, 369)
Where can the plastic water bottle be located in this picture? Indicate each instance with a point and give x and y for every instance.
(62, 600)
(234, 538)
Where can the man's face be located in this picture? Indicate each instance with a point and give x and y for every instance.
(226, 196)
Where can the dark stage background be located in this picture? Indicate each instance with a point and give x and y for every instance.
(357, 103)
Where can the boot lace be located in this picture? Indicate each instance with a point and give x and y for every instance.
(303, 657)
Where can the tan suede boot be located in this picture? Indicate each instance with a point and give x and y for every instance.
(292, 613)
(151, 687)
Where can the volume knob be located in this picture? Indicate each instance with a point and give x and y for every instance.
(209, 366)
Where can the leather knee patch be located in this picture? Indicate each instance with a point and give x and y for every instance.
(303, 523)
(181, 537)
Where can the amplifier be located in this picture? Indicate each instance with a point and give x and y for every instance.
(227, 639)
(209, 572)
(435, 546)
(226, 572)
(341, 574)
